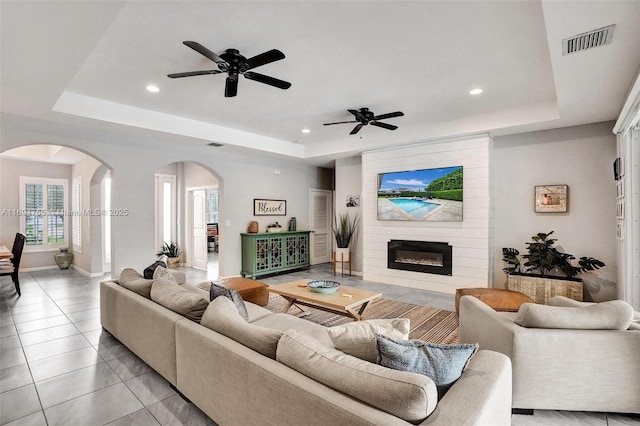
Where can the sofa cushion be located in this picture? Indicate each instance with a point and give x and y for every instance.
(131, 279)
(284, 322)
(612, 315)
(441, 363)
(223, 316)
(217, 290)
(178, 299)
(411, 397)
(358, 338)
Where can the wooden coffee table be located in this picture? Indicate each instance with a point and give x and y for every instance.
(347, 301)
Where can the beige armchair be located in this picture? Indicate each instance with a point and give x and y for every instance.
(560, 369)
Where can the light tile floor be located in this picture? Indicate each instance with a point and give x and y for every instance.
(57, 366)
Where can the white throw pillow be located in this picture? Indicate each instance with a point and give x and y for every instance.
(612, 315)
(161, 272)
(358, 338)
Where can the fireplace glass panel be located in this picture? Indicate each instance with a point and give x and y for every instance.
(419, 258)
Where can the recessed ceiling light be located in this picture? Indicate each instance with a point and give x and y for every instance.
(153, 89)
(306, 131)
(475, 91)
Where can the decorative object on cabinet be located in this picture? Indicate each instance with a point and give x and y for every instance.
(551, 198)
(267, 253)
(253, 227)
(264, 207)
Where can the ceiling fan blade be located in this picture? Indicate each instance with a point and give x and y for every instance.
(261, 59)
(204, 51)
(384, 125)
(356, 129)
(231, 87)
(339, 122)
(192, 73)
(357, 113)
(389, 115)
(261, 78)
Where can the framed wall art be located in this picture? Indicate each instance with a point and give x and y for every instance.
(265, 207)
(551, 198)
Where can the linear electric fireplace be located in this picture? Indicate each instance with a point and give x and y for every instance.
(420, 256)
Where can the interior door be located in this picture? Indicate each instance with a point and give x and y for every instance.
(199, 229)
(320, 225)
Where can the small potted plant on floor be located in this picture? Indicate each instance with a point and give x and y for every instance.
(344, 230)
(533, 273)
(172, 253)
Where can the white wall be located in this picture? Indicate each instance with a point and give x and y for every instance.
(471, 239)
(135, 160)
(580, 157)
(85, 169)
(348, 175)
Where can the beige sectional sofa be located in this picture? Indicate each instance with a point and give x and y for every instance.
(234, 384)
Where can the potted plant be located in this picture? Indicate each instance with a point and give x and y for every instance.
(344, 229)
(172, 252)
(539, 270)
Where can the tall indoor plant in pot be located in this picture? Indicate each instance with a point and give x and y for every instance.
(344, 230)
(545, 271)
(172, 252)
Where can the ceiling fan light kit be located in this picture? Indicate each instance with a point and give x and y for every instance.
(234, 64)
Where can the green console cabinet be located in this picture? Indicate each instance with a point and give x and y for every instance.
(268, 253)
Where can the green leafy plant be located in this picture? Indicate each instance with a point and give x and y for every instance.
(543, 257)
(344, 229)
(170, 250)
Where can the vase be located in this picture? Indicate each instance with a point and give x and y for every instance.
(342, 254)
(64, 258)
(173, 262)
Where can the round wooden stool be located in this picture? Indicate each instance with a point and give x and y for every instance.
(499, 299)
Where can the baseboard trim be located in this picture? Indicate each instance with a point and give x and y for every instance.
(38, 268)
(86, 273)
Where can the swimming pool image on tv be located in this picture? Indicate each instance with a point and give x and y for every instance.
(416, 208)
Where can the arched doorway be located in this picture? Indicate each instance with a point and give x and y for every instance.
(59, 193)
(187, 213)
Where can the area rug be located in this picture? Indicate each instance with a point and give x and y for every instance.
(428, 324)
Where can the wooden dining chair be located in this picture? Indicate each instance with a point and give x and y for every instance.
(11, 268)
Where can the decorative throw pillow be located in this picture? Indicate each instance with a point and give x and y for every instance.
(132, 280)
(218, 290)
(178, 299)
(223, 317)
(149, 270)
(358, 338)
(162, 272)
(612, 315)
(443, 364)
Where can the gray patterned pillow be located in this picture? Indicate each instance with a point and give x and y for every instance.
(443, 364)
(218, 290)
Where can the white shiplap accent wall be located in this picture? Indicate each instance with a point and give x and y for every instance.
(472, 239)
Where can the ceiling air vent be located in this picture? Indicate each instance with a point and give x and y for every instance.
(215, 144)
(587, 40)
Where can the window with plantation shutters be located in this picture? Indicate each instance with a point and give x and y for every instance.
(43, 208)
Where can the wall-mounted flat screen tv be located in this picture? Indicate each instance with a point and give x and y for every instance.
(429, 195)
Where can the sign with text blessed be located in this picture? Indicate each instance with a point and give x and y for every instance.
(262, 207)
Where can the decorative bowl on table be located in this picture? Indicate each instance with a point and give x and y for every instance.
(323, 286)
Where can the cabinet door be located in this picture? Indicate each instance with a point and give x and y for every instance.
(303, 249)
(291, 250)
(262, 246)
(275, 252)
